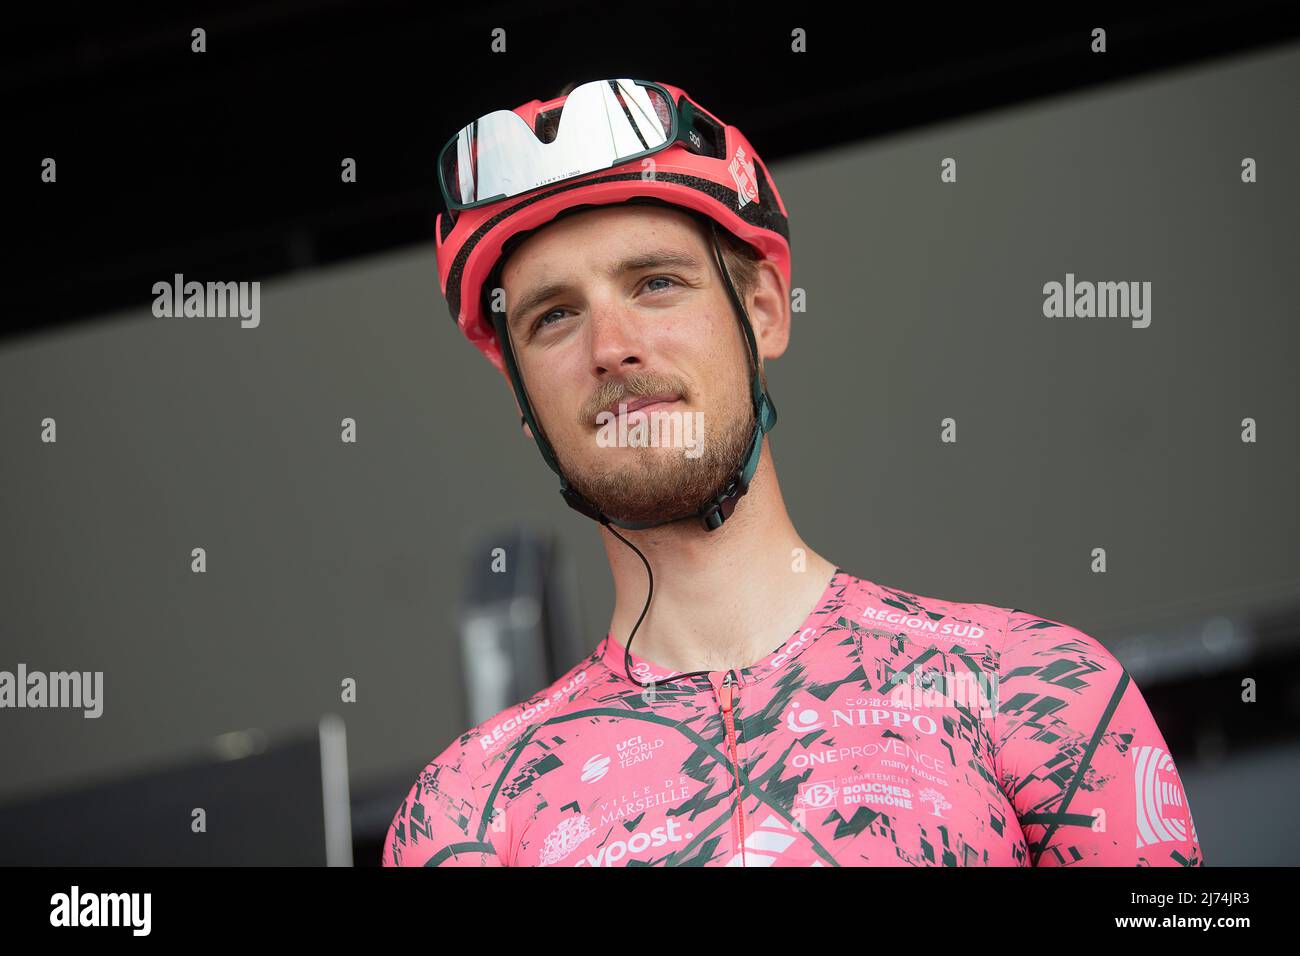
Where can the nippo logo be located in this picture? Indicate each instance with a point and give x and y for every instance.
(595, 768)
(1162, 812)
(801, 720)
(742, 171)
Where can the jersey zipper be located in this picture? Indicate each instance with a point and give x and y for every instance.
(727, 695)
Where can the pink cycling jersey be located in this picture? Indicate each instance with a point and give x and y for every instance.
(888, 730)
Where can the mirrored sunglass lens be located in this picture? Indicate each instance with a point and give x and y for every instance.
(600, 125)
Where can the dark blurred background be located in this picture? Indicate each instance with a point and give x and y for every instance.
(370, 562)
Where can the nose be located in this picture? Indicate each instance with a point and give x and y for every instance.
(616, 347)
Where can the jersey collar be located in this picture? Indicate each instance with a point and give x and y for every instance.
(825, 613)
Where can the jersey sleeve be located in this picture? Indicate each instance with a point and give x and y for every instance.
(442, 820)
(1080, 757)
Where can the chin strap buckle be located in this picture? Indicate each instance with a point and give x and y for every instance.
(721, 508)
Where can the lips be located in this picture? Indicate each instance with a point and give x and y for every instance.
(642, 402)
(650, 400)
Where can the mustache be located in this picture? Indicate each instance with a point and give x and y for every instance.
(630, 388)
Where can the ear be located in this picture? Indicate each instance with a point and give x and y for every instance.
(769, 310)
(527, 431)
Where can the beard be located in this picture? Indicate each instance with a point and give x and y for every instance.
(663, 484)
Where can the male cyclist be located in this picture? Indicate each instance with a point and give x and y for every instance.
(622, 257)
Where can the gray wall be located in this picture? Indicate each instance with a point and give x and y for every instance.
(329, 560)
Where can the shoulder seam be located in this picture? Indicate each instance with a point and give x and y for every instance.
(582, 666)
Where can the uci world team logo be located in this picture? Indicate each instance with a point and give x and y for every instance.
(1162, 812)
(597, 766)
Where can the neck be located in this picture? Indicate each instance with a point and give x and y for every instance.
(723, 599)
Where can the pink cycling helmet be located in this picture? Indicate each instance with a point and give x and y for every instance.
(711, 169)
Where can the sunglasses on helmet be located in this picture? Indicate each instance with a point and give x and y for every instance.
(597, 125)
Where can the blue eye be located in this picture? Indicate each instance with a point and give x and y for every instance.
(541, 319)
(665, 278)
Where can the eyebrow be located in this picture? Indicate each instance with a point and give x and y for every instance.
(655, 259)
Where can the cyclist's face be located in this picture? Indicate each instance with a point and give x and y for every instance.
(624, 303)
